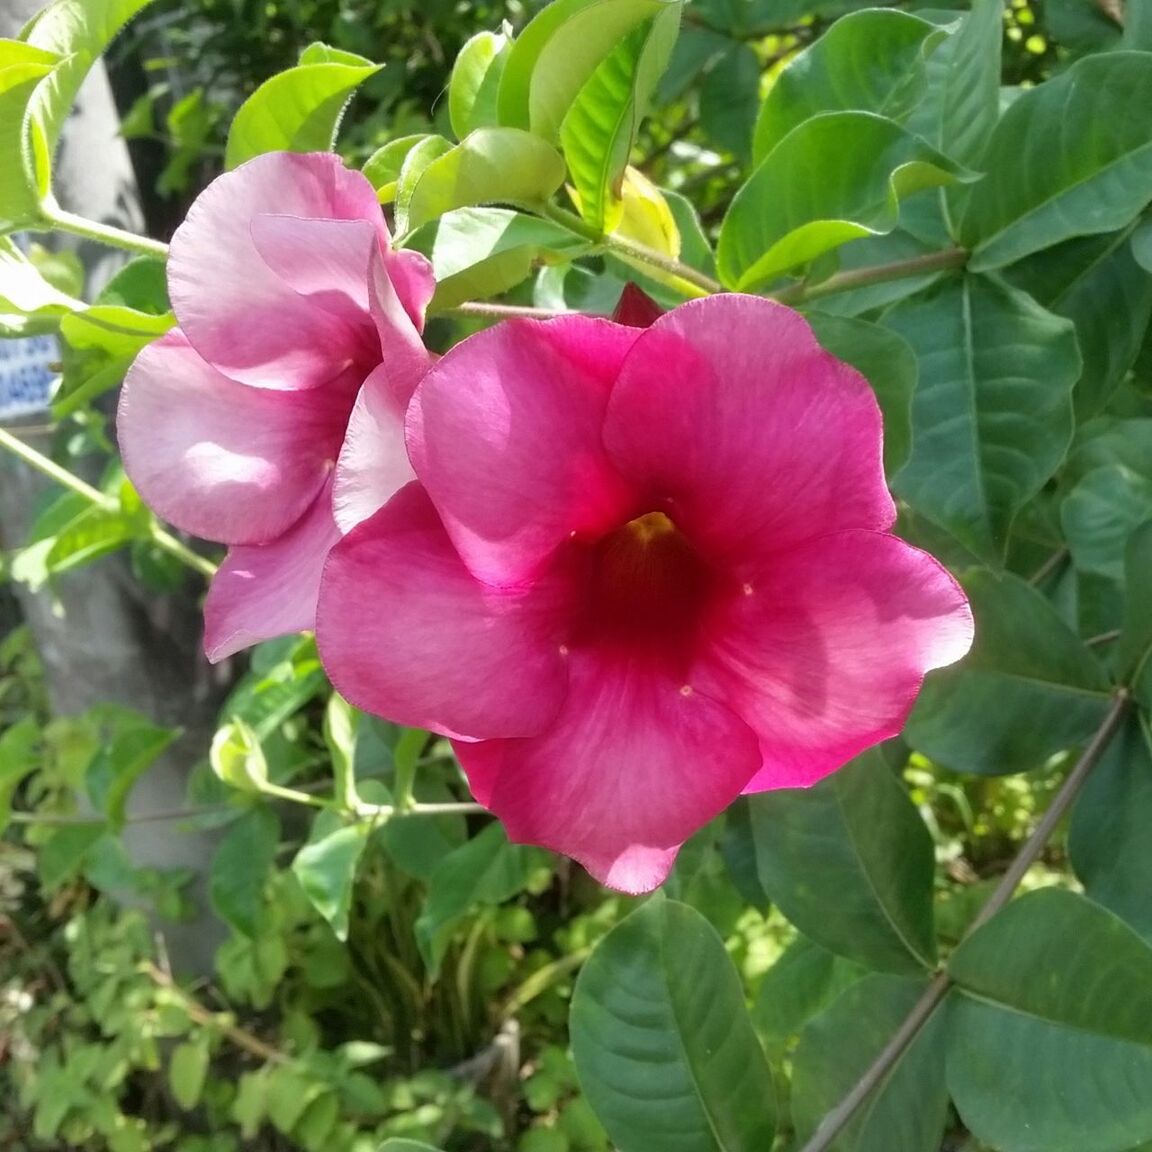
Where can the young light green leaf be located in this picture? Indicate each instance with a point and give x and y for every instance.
(416, 160)
(188, 1070)
(992, 415)
(558, 51)
(383, 167)
(326, 867)
(837, 177)
(600, 129)
(1050, 1044)
(298, 110)
(28, 303)
(475, 83)
(1064, 162)
(22, 68)
(663, 1045)
(868, 61)
(1028, 689)
(341, 722)
(849, 862)
(490, 165)
(237, 758)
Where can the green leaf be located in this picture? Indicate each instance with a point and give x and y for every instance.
(298, 110)
(1063, 163)
(491, 164)
(406, 1146)
(868, 61)
(1108, 841)
(475, 82)
(1099, 515)
(909, 1109)
(483, 870)
(416, 160)
(1028, 689)
(887, 363)
(240, 869)
(992, 415)
(326, 867)
(237, 758)
(729, 100)
(481, 252)
(28, 303)
(383, 167)
(18, 745)
(1081, 26)
(662, 1042)
(63, 855)
(600, 129)
(558, 51)
(188, 1070)
(970, 89)
(22, 68)
(126, 753)
(1135, 644)
(837, 177)
(1050, 1044)
(341, 724)
(849, 862)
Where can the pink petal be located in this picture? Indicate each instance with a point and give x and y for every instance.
(505, 433)
(729, 411)
(219, 459)
(407, 632)
(237, 312)
(824, 649)
(632, 766)
(267, 590)
(411, 273)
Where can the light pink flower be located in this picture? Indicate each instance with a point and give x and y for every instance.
(288, 298)
(642, 571)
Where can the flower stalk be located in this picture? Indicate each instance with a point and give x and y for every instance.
(58, 220)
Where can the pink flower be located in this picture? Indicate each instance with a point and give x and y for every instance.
(288, 299)
(642, 571)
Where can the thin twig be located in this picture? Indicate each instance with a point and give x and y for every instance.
(1049, 566)
(878, 274)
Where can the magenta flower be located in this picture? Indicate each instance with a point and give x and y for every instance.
(643, 571)
(288, 299)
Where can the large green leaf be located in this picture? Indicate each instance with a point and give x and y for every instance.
(326, 867)
(1081, 26)
(908, 1111)
(992, 415)
(480, 252)
(552, 59)
(490, 165)
(1100, 514)
(868, 61)
(600, 128)
(130, 744)
(1135, 646)
(475, 82)
(22, 68)
(1050, 1044)
(1028, 689)
(1108, 841)
(298, 110)
(1071, 157)
(837, 177)
(888, 364)
(663, 1046)
(240, 868)
(729, 99)
(849, 862)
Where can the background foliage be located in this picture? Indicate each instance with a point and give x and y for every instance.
(957, 197)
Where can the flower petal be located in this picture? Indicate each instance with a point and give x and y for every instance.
(824, 650)
(219, 459)
(729, 410)
(505, 433)
(407, 632)
(632, 766)
(267, 590)
(411, 274)
(237, 312)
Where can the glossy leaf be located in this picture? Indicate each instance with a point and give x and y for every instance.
(838, 177)
(326, 867)
(868, 61)
(849, 862)
(1028, 689)
(558, 51)
(22, 68)
(992, 416)
(475, 83)
(600, 129)
(1071, 157)
(298, 110)
(28, 303)
(1099, 515)
(888, 364)
(491, 165)
(416, 160)
(240, 868)
(908, 1111)
(1108, 841)
(383, 167)
(1050, 1044)
(662, 1042)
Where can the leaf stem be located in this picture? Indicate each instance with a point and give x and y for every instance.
(48, 467)
(57, 219)
(504, 311)
(835, 1121)
(878, 274)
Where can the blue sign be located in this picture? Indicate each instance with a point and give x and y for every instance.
(27, 375)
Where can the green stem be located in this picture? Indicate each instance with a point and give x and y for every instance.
(879, 274)
(54, 471)
(504, 311)
(374, 812)
(57, 219)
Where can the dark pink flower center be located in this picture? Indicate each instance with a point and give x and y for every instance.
(647, 586)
